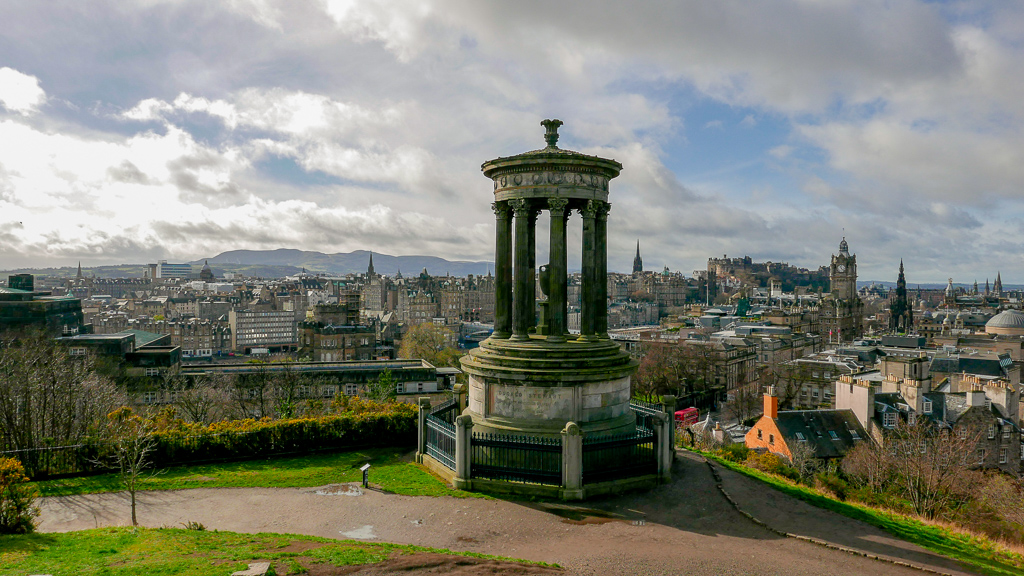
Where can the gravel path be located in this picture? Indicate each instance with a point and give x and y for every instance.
(686, 527)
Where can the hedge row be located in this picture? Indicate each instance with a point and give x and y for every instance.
(179, 443)
(258, 438)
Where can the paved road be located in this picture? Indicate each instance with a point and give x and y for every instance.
(686, 527)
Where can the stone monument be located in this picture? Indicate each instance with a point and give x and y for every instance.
(529, 377)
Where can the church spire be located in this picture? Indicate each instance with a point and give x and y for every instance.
(998, 287)
(79, 275)
(638, 263)
(369, 269)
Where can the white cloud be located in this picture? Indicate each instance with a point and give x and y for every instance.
(341, 124)
(20, 92)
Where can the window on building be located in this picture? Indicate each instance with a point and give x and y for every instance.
(351, 389)
(854, 435)
(1003, 454)
(759, 434)
(991, 432)
(981, 455)
(926, 407)
(962, 432)
(832, 434)
(911, 418)
(814, 393)
(771, 439)
(150, 397)
(889, 419)
(924, 447)
(800, 437)
(152, 371)
(77, 351)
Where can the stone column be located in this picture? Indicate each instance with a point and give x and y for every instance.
(557, 271)
(668, 406)
(662, 446)
(532, 250)
(421, 428)
(460, 391)
(587, 296)
(572, 462)
(601, 270)
(463, 453)
(523, 295)
(502, 270)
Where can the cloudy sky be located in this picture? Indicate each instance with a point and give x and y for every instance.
(167, 129)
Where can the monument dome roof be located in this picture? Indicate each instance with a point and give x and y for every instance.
(1007, 319)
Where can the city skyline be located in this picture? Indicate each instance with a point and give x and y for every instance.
(178, 130)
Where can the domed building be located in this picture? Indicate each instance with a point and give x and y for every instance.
(1007, 323)
(206, 274)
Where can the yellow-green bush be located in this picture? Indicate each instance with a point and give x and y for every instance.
(773, 464)
(17, 497)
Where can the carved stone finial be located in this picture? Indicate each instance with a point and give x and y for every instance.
(551, 134)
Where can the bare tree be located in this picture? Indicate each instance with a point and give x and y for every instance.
(658, 372)
(789, 379)
(745, 402)
(802, 457)
(203, 398)
(289, 388)
(1004, 494)
(925, 464)
(251, 393)
(868, 464)
(132, 442)
(48, 396)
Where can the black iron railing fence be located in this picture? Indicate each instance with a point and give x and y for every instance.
(446, 411)
(517, 458)
(441, 441)
(607, 458)
(644, 412)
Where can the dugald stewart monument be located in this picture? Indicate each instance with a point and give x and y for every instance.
(548, 412)
(531, 376)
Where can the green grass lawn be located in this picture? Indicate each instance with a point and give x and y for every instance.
(166, 551)
(390, 469)
(982, 554)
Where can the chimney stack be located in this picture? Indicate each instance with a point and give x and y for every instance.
(976, 397)
(771, 403)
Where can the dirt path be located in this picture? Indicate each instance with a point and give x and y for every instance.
(686, 527)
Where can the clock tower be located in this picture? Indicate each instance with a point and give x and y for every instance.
(843, 273)
(842, 313)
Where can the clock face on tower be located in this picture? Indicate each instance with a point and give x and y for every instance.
(841, 268)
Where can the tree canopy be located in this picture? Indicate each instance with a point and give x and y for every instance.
(435, 344)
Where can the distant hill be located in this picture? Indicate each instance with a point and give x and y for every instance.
(345, 263)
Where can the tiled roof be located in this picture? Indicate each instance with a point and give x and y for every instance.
(829, 432)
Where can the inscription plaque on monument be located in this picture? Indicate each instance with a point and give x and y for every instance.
(530, 402)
